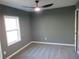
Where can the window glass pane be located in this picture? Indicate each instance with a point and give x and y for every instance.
(12, 36)
(11, 23)
(12, 29)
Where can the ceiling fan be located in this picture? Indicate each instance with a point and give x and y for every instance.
(37, 7)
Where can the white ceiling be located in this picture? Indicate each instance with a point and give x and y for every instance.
(20, 3)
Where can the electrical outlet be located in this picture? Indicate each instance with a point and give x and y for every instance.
(45, 38)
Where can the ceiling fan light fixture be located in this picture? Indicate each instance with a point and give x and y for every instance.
(37, 9)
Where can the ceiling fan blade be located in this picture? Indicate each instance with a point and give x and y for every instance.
(48, 5)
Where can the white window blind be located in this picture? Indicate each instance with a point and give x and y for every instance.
(12, 29)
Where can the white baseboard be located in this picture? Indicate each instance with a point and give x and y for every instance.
(40, 43)
(18, 50)
(53, 43)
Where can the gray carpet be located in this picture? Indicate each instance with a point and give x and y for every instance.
(42, 51)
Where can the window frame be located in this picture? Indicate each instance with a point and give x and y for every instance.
(17, 29)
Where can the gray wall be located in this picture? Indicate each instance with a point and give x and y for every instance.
(55, 24)
(77, 5)
(25, 29)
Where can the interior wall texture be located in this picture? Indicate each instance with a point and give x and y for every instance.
(55, 25)
(25, 28)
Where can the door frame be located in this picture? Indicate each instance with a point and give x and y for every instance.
(76, 29)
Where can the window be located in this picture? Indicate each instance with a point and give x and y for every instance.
(12, 29)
